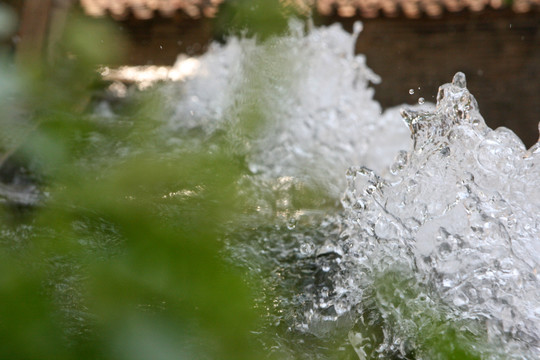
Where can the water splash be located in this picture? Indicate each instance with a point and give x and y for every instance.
(312, 97)
(460, 213)
(434, 251)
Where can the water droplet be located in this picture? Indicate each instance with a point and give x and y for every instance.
(291, 224)
(357, 28)
(445, 249)
(411, 91)
(370, 189)
(399, 162)
(306, 248)
(325, 268)
(445, 151)
(325, 292)
(460, 80)
(421, 100)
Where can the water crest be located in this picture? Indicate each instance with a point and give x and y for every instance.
(459, 213)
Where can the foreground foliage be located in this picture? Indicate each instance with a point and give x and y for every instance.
(117, 253)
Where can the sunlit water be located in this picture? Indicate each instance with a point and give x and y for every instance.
(436, 237)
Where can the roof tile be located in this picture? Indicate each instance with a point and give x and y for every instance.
(146, 9)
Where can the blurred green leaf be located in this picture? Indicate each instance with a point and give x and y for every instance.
(122, 259)
(260, 18)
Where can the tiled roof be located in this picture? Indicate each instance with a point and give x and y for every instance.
(413, 8)
(146, 9)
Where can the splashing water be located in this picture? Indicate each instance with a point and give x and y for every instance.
(440, 243)
(313, 100)
(460, 213)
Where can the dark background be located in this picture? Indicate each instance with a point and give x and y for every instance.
(498, 50)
